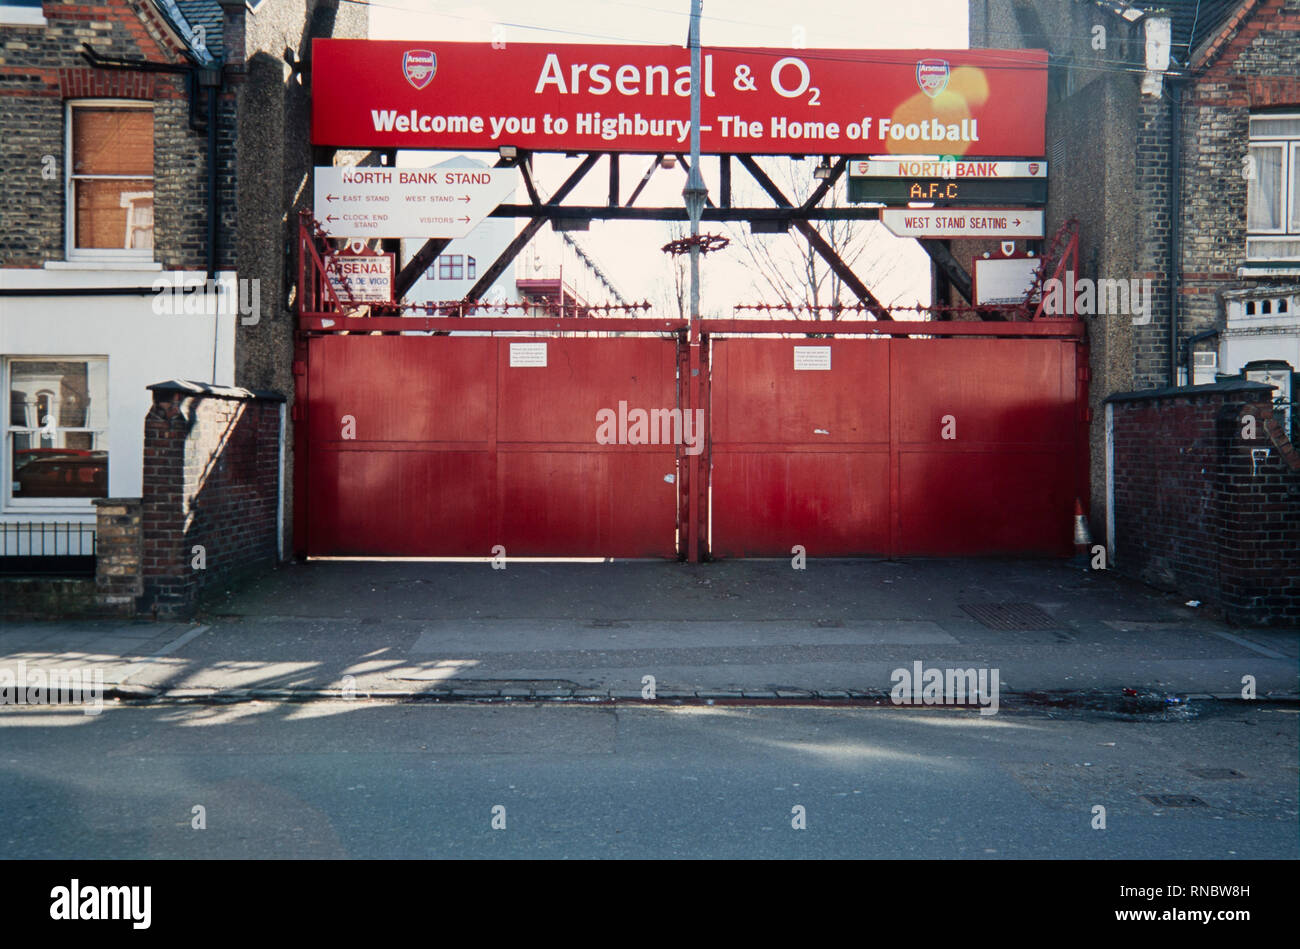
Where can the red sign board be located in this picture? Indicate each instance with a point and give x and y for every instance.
(420, 94)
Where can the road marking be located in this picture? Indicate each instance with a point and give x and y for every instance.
(1262, 650)
(171, 647)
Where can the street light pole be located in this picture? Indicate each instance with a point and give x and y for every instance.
(696, 383)
(695, 192)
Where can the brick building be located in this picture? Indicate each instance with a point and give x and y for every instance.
(1173, 137)
(152, 152)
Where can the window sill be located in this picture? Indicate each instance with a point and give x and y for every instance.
(21, 16)
(1269, 268)
(51, 508)
(103, 263)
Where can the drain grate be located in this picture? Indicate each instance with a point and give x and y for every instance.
(1174, 800)
(1010, 616)
(1216, 774)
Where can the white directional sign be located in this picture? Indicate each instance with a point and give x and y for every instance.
(407, 202)
(963, 222)
(945, 168)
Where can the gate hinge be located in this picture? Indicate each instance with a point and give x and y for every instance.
(1085, 373)
(1087, 413)
(296, 412)
(299, 367)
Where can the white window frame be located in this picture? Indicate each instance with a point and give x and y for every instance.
(12, 504)
(71, 250)
(450, 262)
(1289, 219)
(1291, 210)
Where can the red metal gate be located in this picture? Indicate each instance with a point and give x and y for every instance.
(452, 445)
(971, 440)
(895, 446)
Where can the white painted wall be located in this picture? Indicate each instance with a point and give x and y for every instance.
(484, 244)
(1250, 337)
(142, 347)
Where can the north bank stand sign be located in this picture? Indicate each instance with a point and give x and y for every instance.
(422, 94)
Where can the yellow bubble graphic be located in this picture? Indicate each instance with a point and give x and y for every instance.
(948, 107)
(971, 84)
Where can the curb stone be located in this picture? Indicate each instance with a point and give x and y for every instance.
(144, 695)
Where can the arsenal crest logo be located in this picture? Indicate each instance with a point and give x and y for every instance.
(419, 65)
(1033, 168)
(932, 76)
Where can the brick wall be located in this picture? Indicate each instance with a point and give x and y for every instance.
(118, 556)
(41, 68)
(1253, 64)
(1204, 510)
(211, 490)
(1153, 203)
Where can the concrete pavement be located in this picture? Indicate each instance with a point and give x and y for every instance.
(739, 630)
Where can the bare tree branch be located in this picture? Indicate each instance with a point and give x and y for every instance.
(788, 267)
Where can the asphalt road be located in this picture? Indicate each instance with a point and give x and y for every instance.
(365, 779)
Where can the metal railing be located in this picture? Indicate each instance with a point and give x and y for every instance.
(65, 548)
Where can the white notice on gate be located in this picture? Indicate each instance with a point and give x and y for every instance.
(812, 357)
(527, 354)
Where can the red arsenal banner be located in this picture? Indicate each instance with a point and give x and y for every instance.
(425, 94)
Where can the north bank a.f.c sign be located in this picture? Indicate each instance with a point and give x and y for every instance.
(422, 94)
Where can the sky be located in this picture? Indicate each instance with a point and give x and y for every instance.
(630, 251)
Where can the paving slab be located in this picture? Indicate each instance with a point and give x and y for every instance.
(755, 629)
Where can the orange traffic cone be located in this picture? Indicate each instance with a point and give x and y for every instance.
(1082, 535)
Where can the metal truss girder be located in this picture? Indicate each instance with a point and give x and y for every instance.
(625, 213)
(949, 266)
(532, 227)
(818, 243)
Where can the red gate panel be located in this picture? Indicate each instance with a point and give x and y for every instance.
(1005, 482)
(847, 455)
(800, 456)
(454, 450)
(561, 493)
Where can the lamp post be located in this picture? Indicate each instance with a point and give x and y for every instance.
(695, 192)
(696, 383)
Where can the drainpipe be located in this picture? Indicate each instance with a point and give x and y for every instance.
(211, 80)
(98, 61)
(1110, 483)
(1175, 228)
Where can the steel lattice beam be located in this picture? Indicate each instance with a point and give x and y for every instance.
(626, 213)
(818, 243)
(949, 266)
(532, 227)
